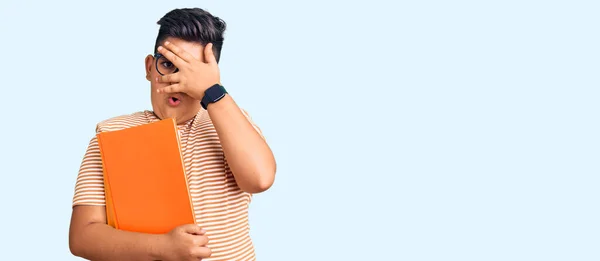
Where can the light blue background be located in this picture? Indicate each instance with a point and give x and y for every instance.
(403, 130)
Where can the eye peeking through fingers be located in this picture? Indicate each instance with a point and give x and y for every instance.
(164, 66)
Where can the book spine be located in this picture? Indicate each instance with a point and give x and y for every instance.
(111, 216)
(187, 185)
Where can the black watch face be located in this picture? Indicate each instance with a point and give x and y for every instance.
(214, 92)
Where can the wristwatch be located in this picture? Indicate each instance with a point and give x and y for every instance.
(213, 94)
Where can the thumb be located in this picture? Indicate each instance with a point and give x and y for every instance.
(209, 56)
(193, 229)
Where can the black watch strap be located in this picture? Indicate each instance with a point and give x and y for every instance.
(213, 94)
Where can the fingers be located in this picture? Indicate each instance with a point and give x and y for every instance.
(176, 60)
(175, 77)
(176, 50)
(170, 89)
(179, 59)
(209, 55)
(193, 229)
(200, 240)
(202, 252)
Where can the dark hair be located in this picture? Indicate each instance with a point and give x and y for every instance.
(192, 25)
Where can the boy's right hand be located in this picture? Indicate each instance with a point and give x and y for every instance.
(186, 242)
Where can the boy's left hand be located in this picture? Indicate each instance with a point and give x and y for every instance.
(194, 76)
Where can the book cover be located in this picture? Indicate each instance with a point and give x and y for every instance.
(144, 175)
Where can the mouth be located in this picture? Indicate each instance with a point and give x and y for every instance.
(174, 101)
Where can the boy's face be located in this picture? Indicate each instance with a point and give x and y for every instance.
(176, 105)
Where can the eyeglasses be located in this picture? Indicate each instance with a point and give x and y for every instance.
(164, 66)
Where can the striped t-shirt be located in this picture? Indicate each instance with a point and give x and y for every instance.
(221, 208)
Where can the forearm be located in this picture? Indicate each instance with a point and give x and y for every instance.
(101, 242)
(248, 155)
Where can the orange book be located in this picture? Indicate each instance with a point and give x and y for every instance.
(144, 178)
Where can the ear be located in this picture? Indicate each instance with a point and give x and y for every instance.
(149, 62)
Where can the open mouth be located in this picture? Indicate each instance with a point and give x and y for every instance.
(173, 101)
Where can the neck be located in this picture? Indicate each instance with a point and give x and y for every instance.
(179, 120)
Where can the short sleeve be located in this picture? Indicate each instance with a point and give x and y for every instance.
(89, 187)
